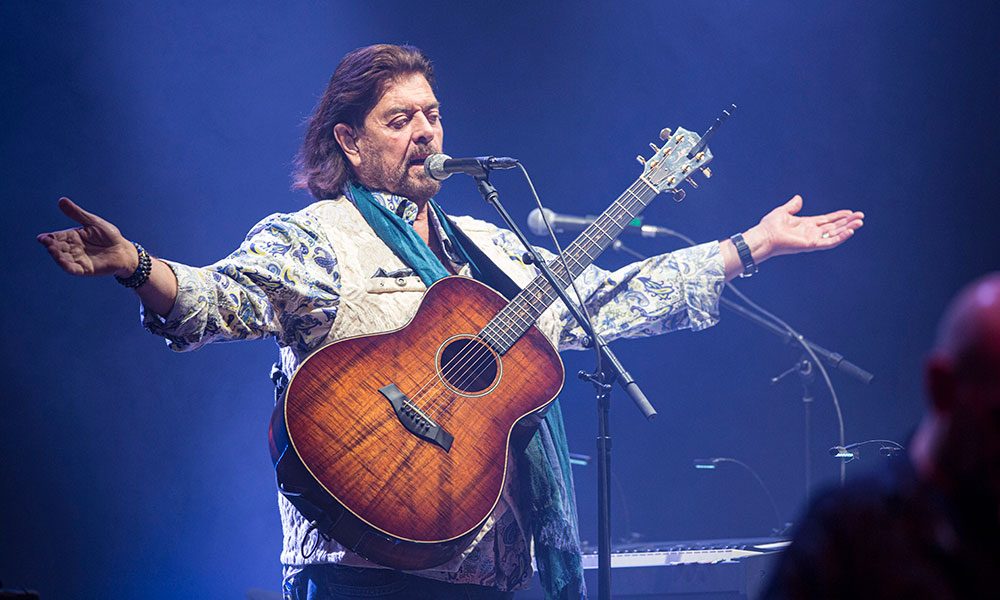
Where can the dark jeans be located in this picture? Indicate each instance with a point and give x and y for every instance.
(336, 582)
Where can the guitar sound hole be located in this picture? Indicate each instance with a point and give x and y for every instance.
(468, 365)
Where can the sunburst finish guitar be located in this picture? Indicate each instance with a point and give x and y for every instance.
(395, 444)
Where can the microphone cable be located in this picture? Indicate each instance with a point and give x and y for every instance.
(598, 368)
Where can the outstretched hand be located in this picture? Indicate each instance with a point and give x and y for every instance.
(95, 248)
(784, 232)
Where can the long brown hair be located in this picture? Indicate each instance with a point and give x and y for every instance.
(354, 89)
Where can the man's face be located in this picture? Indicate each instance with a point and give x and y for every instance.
(401, 131)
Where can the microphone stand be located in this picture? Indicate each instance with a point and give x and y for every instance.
(803, 367)
(609, 369)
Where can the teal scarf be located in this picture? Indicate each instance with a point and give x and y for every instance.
(404, 240)
(545, 463)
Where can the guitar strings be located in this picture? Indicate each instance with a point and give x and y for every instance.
(473, 356)
(448, 369)
(542, 292)
(546, 291)
(471, 361)
(466, 357)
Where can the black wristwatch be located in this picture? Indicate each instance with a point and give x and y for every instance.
(749, 266)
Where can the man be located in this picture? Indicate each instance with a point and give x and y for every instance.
(321, 274)
(930, 526)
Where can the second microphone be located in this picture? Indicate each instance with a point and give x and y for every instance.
(561, 223)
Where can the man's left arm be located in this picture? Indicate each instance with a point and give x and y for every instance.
(680, 290)
(663, 293)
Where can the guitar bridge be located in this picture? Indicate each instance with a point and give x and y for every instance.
(415, 420)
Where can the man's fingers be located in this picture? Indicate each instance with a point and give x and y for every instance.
(61, 250)
(73, 211)
(838, 239)
(838, 215)
(56, 243)
(61, 237)
(834, 236)
(65, 261)
(838, 223)
(53, 238)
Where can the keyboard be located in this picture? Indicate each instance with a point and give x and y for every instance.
(703, 569)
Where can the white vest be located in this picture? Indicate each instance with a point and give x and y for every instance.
(371, 304)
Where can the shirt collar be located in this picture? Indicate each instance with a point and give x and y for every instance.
(402, 207)
(406, 209)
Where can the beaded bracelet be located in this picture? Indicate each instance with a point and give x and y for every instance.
(141, 274)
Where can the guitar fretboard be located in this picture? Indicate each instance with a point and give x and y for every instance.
(521, 313)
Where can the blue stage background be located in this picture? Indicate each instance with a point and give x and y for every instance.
(130, 471)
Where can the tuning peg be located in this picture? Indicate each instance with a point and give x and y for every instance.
(706, 172)
(665, 133)
(654, 147)
(678, 194)
(693, 183)
(641, 159)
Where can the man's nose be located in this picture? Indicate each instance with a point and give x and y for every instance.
(423, 131)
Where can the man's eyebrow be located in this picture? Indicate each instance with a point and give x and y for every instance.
(396, 110)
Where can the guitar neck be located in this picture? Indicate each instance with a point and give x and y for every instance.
(522, 312)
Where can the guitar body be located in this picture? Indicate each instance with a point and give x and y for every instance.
(396, 444)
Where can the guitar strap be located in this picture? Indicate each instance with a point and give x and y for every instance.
(492, 275)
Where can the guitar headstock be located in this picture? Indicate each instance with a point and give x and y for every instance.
(671, 164)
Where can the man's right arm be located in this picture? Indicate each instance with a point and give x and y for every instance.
(99, 248)
(282, 281)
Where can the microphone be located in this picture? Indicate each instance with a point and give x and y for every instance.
(442, 166)
(562, 223)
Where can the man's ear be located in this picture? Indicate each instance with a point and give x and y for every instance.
(348, 142)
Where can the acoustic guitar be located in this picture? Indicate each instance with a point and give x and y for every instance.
(395, 444)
